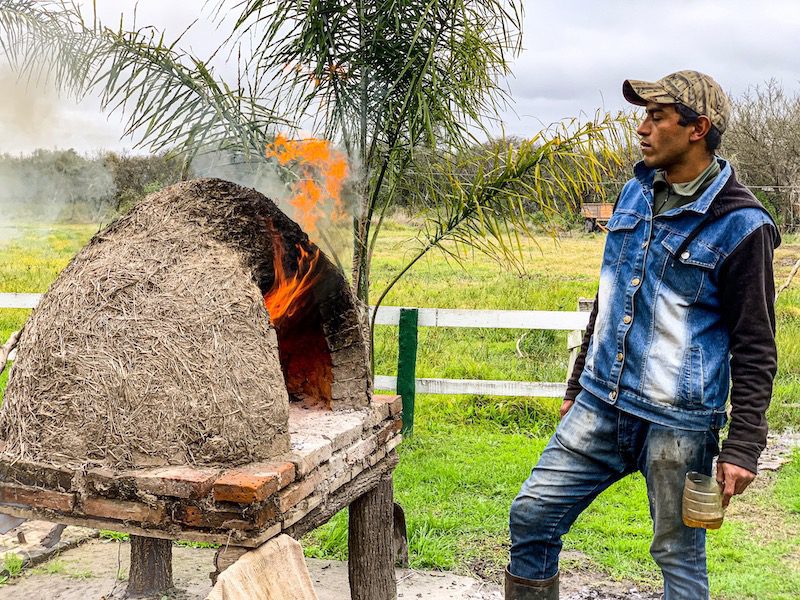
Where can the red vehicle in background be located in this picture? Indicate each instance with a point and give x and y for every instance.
(596, 215)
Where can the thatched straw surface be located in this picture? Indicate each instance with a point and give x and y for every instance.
(154, 346)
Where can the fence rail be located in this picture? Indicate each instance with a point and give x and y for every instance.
(485, 387)
(489, 319)
(409, 319)
(8, 300)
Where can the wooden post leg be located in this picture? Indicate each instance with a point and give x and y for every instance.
(151, 566)
(370, 544)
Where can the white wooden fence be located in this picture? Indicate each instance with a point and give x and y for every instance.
(574, 322)
(19, 300)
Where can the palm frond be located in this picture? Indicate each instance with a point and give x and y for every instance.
(43, 40)
(170, 98)
(398, 71)
(174, 100)
(482, 200)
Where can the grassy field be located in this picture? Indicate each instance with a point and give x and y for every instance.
(469, 455)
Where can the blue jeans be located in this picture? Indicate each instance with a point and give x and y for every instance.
(595, 445)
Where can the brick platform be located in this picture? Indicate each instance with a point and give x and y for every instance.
(333, 457)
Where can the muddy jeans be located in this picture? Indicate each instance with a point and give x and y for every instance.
(595, 445)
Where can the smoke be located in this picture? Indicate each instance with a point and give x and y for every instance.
(50, 186)
(330, 231)
(27, 112)
(24, 113)
(34, 115)
(258, 174)
(43, 186)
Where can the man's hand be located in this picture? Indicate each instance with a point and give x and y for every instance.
(733, 480)
(565, 406)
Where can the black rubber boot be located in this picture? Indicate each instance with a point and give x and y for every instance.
(519, 588)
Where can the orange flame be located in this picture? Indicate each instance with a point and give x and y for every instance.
(323, 171)
(285, 297)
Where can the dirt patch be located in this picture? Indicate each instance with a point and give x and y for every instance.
(585, 584)
(486, 569)
(26, 540)
(98, 569)
(767, 521)
(779, 450)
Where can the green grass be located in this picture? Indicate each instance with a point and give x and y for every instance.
(113, 536)
(12, 566)
(756, 554)
(460, 471)
(59, 567)
(787, 490)
(118, 536)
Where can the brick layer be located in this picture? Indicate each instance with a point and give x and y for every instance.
(328, 452)
(36, 497)
(122, 510)
(175, 481)
(36, 475)
(243, 487)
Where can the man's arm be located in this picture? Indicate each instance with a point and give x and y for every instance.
(573, 386)
(747, 291)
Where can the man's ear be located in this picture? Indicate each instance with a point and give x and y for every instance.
(700, 128)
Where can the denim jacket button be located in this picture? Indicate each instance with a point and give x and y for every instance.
(612, 395)
(627, 319)
(620, 356)
(685, 255)
(636, 281)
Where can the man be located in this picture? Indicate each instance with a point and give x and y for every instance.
(685, 304)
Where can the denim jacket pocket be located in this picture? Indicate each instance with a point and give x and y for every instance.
(687, 266)
(624, 233)
(623, 221)
(692, 379)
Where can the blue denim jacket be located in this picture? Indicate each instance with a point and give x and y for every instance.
(660, 349)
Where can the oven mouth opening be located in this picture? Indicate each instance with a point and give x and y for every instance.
(306, 360)
(292, 301)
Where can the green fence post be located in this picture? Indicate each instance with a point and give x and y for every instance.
(407, 365)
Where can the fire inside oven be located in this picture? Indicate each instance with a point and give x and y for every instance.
(290, 300)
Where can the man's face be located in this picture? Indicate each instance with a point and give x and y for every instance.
(664, 142)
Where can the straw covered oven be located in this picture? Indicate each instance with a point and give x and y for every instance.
(199, 371)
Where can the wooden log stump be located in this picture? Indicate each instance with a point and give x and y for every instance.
(224, 558)
(370, 544)
(151, 566)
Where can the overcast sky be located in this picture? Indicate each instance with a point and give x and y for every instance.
(576, 55)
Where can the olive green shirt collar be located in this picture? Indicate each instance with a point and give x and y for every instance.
(667, 196)
(688, 188)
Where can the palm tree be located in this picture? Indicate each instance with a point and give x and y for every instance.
(388, 80)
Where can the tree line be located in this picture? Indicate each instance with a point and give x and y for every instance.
(64, 185)
(761, 143)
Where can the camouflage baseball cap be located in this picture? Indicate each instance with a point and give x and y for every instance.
(691, 88)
